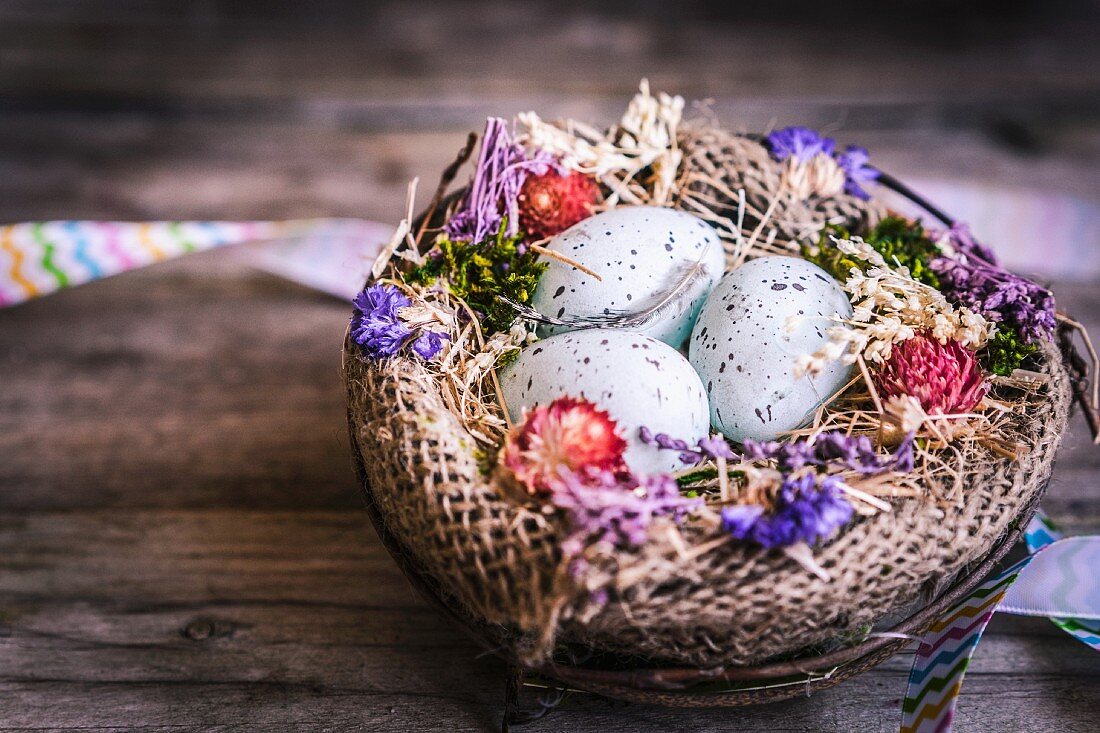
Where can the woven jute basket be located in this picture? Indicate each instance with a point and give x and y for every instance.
(752, 621)
(498, 565)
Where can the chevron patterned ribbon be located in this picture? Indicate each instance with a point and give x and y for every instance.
(1062, 584)
(1057, 579)
(38, 258)
(944, 655)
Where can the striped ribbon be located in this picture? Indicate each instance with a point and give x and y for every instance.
(945, 652)
(1057, 579)
(37, 258)
(1063, 582)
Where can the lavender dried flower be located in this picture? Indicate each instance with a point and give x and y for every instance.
(977, 282)
(716, 447)
(803, 145)
(375, 324)
(831, 449)
(857, 173)
(800, 143)
(428, 344)
(1023, 310)
(377, 327)
(502, 167)
(615, 508)
(808, 508)
(706, 448)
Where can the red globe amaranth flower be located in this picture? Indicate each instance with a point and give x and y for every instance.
(551, 203)
(945, 378)
(567, 436)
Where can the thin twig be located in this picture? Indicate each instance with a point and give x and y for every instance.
(445, 181)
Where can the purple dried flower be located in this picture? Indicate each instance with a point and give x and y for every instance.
(716, 447)
(616, 508)
(758, 450)
(973, 279)
(428, 344)
(502, 167)
(834, 448)
(808, 509)
(706, 448)
(854, 452)
(375, 325)
(739, 519)
(904, 459)
(667, 443)
(857, 173)
(800, 143)
(835, 445)
(789, 456)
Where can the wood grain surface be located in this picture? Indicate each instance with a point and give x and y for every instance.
(182, 544)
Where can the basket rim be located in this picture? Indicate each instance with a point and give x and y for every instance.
(676, 680)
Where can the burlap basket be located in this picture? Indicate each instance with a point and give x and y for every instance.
(679, 617)
(498, 566)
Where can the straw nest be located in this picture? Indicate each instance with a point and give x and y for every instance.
(690, 595)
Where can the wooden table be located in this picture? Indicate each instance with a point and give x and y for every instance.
(182, 544)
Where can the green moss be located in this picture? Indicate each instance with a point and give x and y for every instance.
(479, 272)
(507, 358)
(1006, 351)
(898, 240)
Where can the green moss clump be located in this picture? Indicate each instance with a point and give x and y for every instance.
(898, 240)
(1006, 352)
(507, 358)
(480, 272)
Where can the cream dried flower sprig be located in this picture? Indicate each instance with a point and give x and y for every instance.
(643, 141)
(888, 307)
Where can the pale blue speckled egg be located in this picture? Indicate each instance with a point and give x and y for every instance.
(638, 380)
(640, 252)
(745, 352)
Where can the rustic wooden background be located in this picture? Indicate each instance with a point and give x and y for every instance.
(181, 541)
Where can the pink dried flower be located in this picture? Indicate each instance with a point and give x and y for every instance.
(551, 203)
(566, 436)
(945, 378)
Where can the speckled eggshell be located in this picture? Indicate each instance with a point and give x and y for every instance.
(636, 379)
(640, 252)
(745, 354)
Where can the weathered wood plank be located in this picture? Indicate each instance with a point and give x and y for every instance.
(428, 55)
(259, 618)
(171, 557)
(384, 643)
(222, 389)
(1023, 703)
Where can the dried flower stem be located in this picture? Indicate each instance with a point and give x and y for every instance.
(564, 260)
